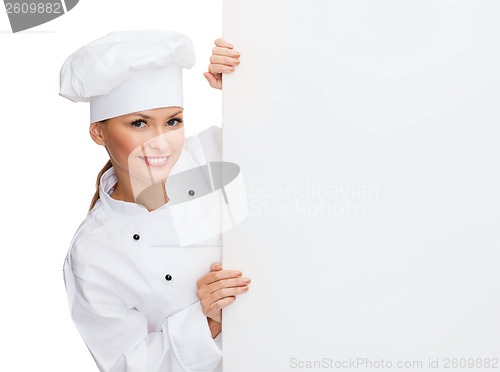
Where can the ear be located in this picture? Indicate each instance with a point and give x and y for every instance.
(96, 133)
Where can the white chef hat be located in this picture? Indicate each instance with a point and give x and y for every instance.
(128, 71)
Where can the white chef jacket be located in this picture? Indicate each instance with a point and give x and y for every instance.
(132, 289)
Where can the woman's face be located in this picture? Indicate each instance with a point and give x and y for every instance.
(145, 145)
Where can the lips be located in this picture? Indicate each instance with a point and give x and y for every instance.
(156, 161)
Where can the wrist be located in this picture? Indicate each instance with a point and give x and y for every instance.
(215, 327)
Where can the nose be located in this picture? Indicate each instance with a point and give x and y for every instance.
(157, 145)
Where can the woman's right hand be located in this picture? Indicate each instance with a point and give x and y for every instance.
(223, 60)
(218, 289)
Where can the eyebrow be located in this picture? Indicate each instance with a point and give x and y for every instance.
(149, 117)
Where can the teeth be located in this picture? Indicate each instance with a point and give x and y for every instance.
(156, 160)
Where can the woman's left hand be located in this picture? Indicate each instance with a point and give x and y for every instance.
(223, 60)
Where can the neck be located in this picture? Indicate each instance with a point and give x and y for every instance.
(152, 196)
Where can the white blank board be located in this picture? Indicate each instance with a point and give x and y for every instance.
(368, 136)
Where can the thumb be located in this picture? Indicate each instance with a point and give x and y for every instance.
(211, 79)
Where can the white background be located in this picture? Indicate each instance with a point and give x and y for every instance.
(416, 276)
(395, 105)
(50, 164)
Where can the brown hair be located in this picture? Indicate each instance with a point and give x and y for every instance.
(98, 183)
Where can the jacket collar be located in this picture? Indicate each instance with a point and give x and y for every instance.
(108, 180)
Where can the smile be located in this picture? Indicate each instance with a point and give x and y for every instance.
(155, 161)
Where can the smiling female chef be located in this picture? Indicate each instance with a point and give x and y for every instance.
(141, 301)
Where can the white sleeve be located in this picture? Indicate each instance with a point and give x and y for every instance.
(119, 340)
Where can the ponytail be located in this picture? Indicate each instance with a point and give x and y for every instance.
(98, 183)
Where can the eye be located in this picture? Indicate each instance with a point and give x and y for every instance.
(137, 123)
(179, 120)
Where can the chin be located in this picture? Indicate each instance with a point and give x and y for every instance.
(154, 175)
